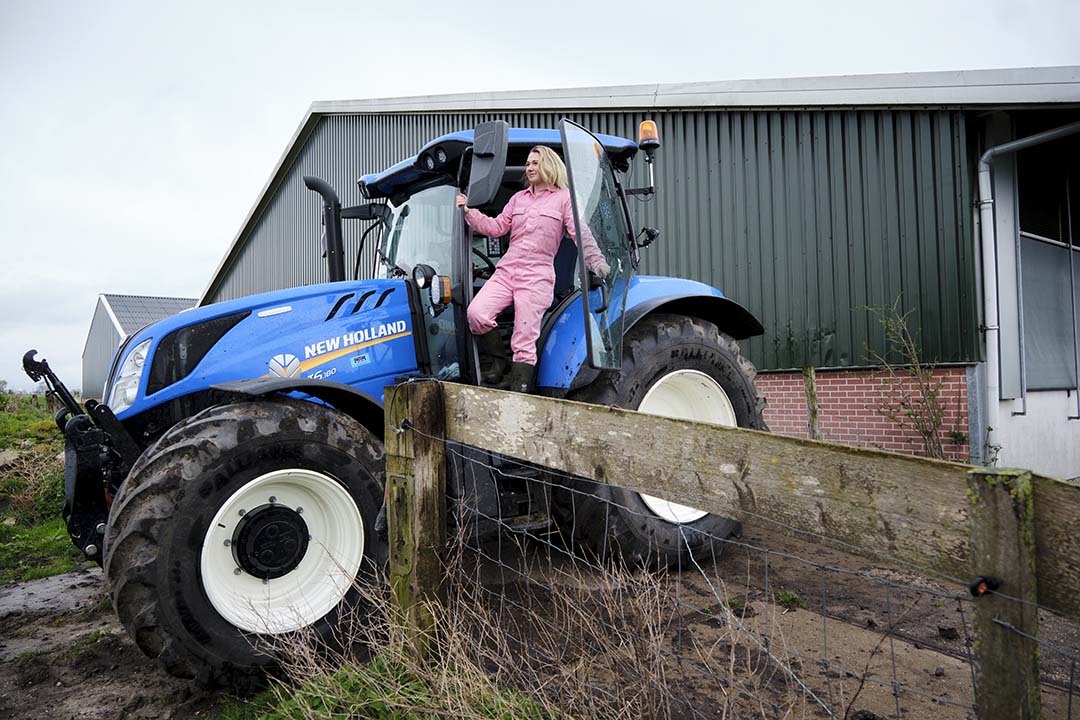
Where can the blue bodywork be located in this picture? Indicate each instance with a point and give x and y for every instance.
(565, 353)
(341, 332)
(359, 333)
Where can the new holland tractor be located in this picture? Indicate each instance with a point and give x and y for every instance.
(232, 481)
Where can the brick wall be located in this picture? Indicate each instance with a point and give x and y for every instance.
(849, 403)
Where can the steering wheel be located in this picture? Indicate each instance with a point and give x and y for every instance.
(489, 267)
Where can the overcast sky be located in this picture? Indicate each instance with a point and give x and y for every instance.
(137, 135)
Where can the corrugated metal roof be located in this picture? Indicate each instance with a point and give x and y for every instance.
(952, 87)
(133, 312)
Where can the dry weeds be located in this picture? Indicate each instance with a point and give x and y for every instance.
(544, 639)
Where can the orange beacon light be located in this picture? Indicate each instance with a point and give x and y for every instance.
(648, 137)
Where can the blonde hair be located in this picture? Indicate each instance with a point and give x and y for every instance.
(551, 167)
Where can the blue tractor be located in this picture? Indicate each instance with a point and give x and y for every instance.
(232, 482)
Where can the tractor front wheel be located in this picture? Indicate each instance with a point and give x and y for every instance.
(242, 523)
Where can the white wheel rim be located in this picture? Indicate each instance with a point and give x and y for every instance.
(686, 395)
(316, 585)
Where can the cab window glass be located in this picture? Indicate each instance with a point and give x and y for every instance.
(421, 231)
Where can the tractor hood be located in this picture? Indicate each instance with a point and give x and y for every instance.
(359, 333)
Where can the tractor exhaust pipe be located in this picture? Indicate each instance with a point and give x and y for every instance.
(335, 260)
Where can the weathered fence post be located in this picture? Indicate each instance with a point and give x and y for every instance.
(416, 506)
(1003, 557)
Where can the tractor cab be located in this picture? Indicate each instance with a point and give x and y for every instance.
(425, 236)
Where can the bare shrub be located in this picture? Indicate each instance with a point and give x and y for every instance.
(910, 395)
(33, 484)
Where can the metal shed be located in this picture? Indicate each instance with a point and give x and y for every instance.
(809, 200)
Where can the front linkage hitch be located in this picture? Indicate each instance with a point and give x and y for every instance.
(98, 453)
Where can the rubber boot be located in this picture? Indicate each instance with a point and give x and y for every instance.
(521, 377)
(491, 344)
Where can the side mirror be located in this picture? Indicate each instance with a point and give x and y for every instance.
(488, 162)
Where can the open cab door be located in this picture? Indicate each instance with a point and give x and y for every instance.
(600, 219)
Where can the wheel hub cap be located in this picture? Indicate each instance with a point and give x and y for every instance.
(270, 541)
(282, 551)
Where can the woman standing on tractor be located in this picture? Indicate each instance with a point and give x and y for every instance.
(536, 218)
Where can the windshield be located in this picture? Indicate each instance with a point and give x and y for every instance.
(420, 230)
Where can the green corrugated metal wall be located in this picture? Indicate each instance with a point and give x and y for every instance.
(812, 217)
(805, 217)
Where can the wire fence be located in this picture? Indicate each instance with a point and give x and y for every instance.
(760, 625)
(848, 593)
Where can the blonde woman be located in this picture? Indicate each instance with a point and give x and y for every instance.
(536, 218)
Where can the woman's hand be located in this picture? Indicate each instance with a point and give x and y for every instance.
(461, 200)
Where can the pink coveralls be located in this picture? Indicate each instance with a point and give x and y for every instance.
(526, 274)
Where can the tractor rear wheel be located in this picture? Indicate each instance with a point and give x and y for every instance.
(679, 367)
(241, 523)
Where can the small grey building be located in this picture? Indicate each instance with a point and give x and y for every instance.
(116, 317)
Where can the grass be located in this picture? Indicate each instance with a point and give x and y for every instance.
(33, 540)
(391, 688)
(252, 708)
(36, 552)
(789, 600)
(26, 418)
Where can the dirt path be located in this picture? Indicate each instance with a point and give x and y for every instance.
(843, 619)
(64, 655)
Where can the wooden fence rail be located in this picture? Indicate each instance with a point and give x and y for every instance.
(945, 519)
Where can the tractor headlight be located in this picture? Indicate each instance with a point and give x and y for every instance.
(126, 386)
(423, 275)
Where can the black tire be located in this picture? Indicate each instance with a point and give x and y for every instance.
(225, 455)
(606, 521)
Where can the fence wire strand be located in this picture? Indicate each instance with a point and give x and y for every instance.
(730, 645)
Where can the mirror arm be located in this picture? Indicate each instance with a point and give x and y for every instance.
(465, 170)
(368, 211)
(635, 259)
(651, 187)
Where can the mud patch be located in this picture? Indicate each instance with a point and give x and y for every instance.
(63, 654)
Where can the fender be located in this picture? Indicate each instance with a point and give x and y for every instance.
(367, 410)
(563, 358)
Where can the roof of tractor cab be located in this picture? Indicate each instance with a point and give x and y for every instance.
(409, 172)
